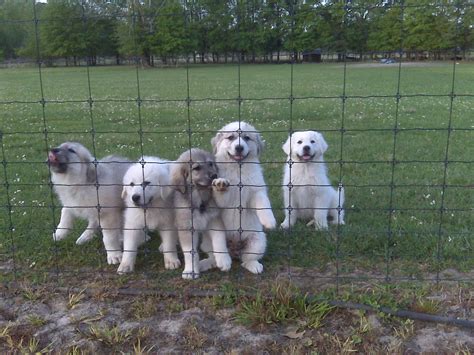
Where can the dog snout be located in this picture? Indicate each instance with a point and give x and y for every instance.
(136, 198)
(239, 149)
(306, 148)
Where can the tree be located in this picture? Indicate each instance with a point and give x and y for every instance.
(13, 31)
(63, 32)
(385, 31)
(169, 38)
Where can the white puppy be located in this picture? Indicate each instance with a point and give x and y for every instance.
(89, 189)
(245, 205)
(311, 194)
(149, 201)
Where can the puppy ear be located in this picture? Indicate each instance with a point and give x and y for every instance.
(163, 182)
(215, 141)
(322, 143)
(286, 146)
(178, 176)
(91, 172)
(260, 144)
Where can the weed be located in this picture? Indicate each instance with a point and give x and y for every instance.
(174, 306)
(424, 305)
(228, 297)
(405, 330)
(75, 350)
(139, 350)
(283, 304)
(36, 320)
(143, 307)
(193, 336)
(110, 336)
(30, 293)
(75, 298)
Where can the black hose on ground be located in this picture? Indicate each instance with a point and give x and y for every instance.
(466, 323)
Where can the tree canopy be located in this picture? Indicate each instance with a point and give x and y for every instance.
(246, 29)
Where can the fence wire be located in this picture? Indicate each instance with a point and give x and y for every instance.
(19, 232)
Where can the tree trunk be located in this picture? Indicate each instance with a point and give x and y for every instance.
(117, 59)
(278, 56)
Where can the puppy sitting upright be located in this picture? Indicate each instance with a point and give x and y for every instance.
(193, 175)
(90, 191)
(246, 208)
(149, 201)
(311, 194)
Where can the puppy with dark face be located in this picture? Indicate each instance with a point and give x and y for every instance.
(149, 206)
(89, 189)
(192, 175)
(312, 195)
(246, 206)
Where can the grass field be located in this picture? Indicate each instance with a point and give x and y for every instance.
(415, 240)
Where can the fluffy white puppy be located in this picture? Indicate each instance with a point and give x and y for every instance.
(245, 205)
(90, 190)
(311, 194)
(149, 206)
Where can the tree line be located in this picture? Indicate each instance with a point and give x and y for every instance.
(231, 29)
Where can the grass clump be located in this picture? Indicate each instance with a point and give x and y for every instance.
(283, 304)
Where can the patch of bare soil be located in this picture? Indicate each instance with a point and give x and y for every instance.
(99, 319)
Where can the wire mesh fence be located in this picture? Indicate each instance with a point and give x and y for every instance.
(399, 158)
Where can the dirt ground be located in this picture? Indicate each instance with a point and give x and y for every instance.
(103, 317)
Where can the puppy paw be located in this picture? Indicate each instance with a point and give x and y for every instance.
(253, 266)
(114, 257)
(125, 268)
(320, 225)
(84, 238)
(269, 222)
(60, 234)
(207, 264)
(190, 275)
(172, 263)
(221, 184)
(285, 224)
(223, 262)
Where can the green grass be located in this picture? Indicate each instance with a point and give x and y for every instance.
(366, 147)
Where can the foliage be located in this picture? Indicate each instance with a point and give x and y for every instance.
(251, 28)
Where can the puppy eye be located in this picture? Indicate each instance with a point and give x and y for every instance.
(246, 138)
(197, 168)
(72, 150)
(145, 183)
(313, 141)
(132, 184)
(299, 142)
(211, 164)
(231, 137)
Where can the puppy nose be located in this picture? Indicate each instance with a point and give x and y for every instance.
(55, 150)
(136, 198)
(239, 149)
(214, 176)
(306, 148)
